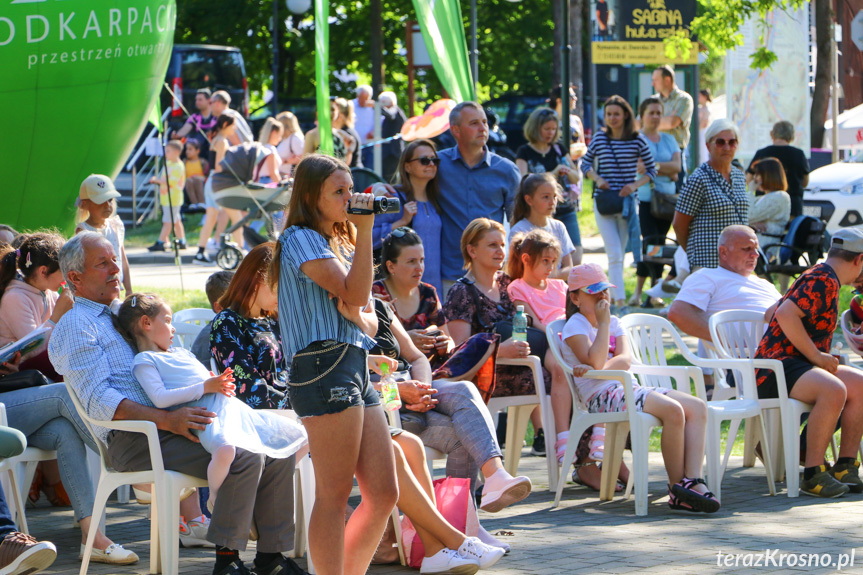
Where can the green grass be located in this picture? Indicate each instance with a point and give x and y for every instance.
(177, 299)
(586, 221)
(148, 232)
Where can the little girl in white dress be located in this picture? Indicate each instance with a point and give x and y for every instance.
(172, 377)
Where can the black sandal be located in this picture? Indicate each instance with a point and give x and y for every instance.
(685, 495)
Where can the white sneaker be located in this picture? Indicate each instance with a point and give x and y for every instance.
(449, 562)
(485, 555)
(212, 245)
(194, 533)
(512, 491)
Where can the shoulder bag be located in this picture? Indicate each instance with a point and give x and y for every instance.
(608, 202)
(662, 204)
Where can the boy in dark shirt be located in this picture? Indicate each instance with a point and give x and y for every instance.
(799, 335)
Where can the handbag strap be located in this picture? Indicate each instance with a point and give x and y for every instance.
(616, 163)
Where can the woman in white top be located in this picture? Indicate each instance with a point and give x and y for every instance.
(271, 136)
(769, 213)
(291, 147)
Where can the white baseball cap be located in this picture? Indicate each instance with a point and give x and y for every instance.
(98, 189)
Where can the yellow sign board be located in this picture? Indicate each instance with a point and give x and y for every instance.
(617, 52)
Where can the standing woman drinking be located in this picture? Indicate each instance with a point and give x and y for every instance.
(543, 154)
(611, 162)
(666, 154)
(323, 267)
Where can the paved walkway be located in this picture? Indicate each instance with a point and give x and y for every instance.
(582, 535)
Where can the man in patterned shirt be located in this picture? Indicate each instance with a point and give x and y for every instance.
(96, 361)
(677, 108)
(799, 335)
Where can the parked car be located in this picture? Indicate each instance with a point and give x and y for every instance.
(195, 66)
(835, 194)
(512, 112)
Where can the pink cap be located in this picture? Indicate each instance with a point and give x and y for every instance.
(588, 277)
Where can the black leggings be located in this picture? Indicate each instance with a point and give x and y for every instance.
(653, 232)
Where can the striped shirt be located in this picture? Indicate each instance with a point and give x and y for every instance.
(617, 160)
(95, 360)
(306, 312)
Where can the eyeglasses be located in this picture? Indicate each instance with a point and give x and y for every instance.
(548, 112)
(401, 232)
(426, 160)
(721, 142)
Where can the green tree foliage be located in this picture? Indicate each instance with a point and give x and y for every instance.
(515, 42)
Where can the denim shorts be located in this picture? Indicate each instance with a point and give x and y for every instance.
(329, 377)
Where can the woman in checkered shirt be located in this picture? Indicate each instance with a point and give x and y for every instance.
(713, 198)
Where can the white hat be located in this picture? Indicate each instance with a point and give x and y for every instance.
(98, 189)
(849, 239)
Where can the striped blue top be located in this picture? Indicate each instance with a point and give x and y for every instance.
(617, 160)
(306, 312)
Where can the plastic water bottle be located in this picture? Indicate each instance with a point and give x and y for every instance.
(389, 390)
(519, 325)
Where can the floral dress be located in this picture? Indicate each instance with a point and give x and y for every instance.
(510, 380)
(428, 313)
(252, 348)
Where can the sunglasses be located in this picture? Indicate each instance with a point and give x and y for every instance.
(721, 142)
(426, 160)
(402, 232)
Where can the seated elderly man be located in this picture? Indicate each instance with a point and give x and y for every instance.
(96, 361)
(730, 286)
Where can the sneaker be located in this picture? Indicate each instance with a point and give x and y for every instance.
(115, 554)
(235, 567)
(848, 474)
(157, 247)
(485, 555)
(194, 533)
(515, 489)
(823, 484)
(212, 245)
(448, 562)
(22, 554)
(182, 244)
(281, 566)
(538, 448)
(201, 258)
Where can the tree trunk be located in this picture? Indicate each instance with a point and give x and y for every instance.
(376, 46)
(576, 25)
(823, 71)
(557, 16)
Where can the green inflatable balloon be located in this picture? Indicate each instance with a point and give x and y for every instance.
(79, 79)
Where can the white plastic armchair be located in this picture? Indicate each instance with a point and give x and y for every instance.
(617, 426)
(648, 335)
(736, 334)
(165, 510)
(519, 408)
(190, 322)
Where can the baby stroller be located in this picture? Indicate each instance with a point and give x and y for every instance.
(801, 248)
(235, 188)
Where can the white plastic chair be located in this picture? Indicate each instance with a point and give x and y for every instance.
(646, 335)
(519, 408)
(189, 323)
(165, 508)
(617, 426)
(20, 471)
(736, 334)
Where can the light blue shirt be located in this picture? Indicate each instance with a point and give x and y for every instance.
(95, 360)
(486, 190)
(306, 312)
(662, 151)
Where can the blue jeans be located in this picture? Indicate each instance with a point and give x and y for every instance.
(48, 418)
(569, 219)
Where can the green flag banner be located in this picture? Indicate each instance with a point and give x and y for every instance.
(322, 74)
(78, 82)
(443, 31)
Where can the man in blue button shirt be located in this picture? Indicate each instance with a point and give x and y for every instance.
(474, 183)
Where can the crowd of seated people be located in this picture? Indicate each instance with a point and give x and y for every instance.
(303, 324)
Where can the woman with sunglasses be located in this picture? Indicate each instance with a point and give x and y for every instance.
(542, 154)
(418, 191)
(415, 302)
(713, 198)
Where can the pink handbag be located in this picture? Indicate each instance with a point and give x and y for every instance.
(455, 501)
